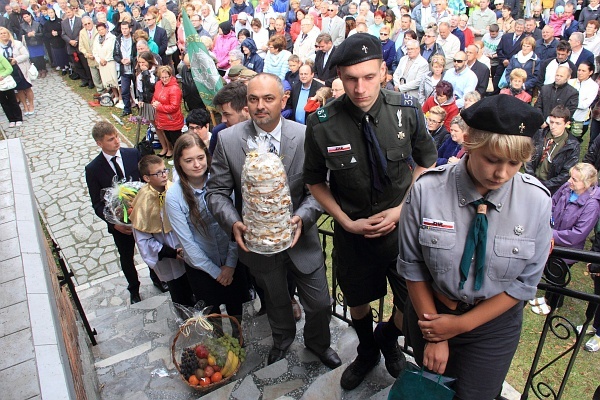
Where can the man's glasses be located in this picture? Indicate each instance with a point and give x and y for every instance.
(330, 9)
(164, 172)
(195, 127)
(383, 34)
(459, 61)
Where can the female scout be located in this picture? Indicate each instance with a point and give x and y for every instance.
(474, 238)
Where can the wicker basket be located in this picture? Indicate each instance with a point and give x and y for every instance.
(218, 332)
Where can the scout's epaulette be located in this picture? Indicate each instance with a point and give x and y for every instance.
(532, 180)
(328, 110)
(400, 99)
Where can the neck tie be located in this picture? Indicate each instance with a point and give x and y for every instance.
(377, 159)
(475, 245)
(515, 38)
(267, 138)
(117, 168)
(71, 22)
(546, 152)
(303, 36)
(90, 34)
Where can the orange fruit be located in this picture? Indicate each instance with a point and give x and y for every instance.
(204, 382)
(194, 381)
(216, 377)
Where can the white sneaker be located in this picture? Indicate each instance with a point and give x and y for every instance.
(590, 329)
(120, 105)
(593, 344)
(537, 302)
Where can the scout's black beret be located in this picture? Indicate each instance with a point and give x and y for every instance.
(358, 48)
(503, 114)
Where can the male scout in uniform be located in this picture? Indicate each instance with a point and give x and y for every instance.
(369, 141)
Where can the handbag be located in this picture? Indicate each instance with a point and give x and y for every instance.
(32, 72)
(503, 83)
(144, 146)
(416, 384)
(8, 83)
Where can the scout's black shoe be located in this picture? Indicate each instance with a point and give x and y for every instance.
(395, 361)
(162, 286)
(357, 370)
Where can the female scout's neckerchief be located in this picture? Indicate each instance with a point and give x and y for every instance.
(147, 205)
(475, 246)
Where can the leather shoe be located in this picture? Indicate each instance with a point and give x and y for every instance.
(297, 310)
(135, 298)
(83, 84)
(329, 357)
(162, 286)
(357, 370)
(91, 86)
(125, 113)
(275, 355)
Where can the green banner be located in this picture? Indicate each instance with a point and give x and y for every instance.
(203, 68)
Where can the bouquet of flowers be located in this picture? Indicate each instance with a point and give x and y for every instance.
(118, 201)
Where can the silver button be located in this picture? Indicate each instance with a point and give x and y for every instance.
(464, 297)
(463, 202)
(516, 250)
(499, 204)
(434, 240)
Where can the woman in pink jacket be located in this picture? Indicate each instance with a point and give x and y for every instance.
(225, 41)
(167, 103)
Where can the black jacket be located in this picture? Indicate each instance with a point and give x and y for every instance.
(483, 76)
(147, 91)
(34, 27)
(544, 66)
(323, 72)
(593, 155)
(118, 56)
(562, 161)
(552, 95)
(55, 41)
(191, 97)
(314, 86)
(99, 175)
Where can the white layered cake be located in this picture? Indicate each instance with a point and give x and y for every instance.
(266, 204)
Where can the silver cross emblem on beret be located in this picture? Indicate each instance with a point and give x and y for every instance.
(365, 49)
(521, 128)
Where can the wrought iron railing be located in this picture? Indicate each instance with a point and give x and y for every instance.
(557, 276)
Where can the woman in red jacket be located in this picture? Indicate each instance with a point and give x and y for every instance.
(167, 103)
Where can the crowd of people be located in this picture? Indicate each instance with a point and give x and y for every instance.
(476, 89)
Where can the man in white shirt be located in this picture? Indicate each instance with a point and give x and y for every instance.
(411, 68)
(263, 12)
(450, 43)
(304, 47)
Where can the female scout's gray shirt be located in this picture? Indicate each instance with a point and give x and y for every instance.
(208, 250)
(436, 218)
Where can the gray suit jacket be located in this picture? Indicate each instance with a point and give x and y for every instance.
(225, 178)
(69, 34)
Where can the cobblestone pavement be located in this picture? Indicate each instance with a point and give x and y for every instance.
(58, 143)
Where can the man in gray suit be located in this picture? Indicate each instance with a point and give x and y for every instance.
(71, 26)
(304, 259)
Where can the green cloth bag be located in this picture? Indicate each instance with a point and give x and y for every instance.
(416, 384)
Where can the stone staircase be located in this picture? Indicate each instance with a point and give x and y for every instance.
(133, 354)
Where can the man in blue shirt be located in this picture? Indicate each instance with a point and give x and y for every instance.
(301, 91)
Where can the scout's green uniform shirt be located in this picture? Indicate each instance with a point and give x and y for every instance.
(335, 142)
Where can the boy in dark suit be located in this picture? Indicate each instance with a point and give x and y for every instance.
(122, 163)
